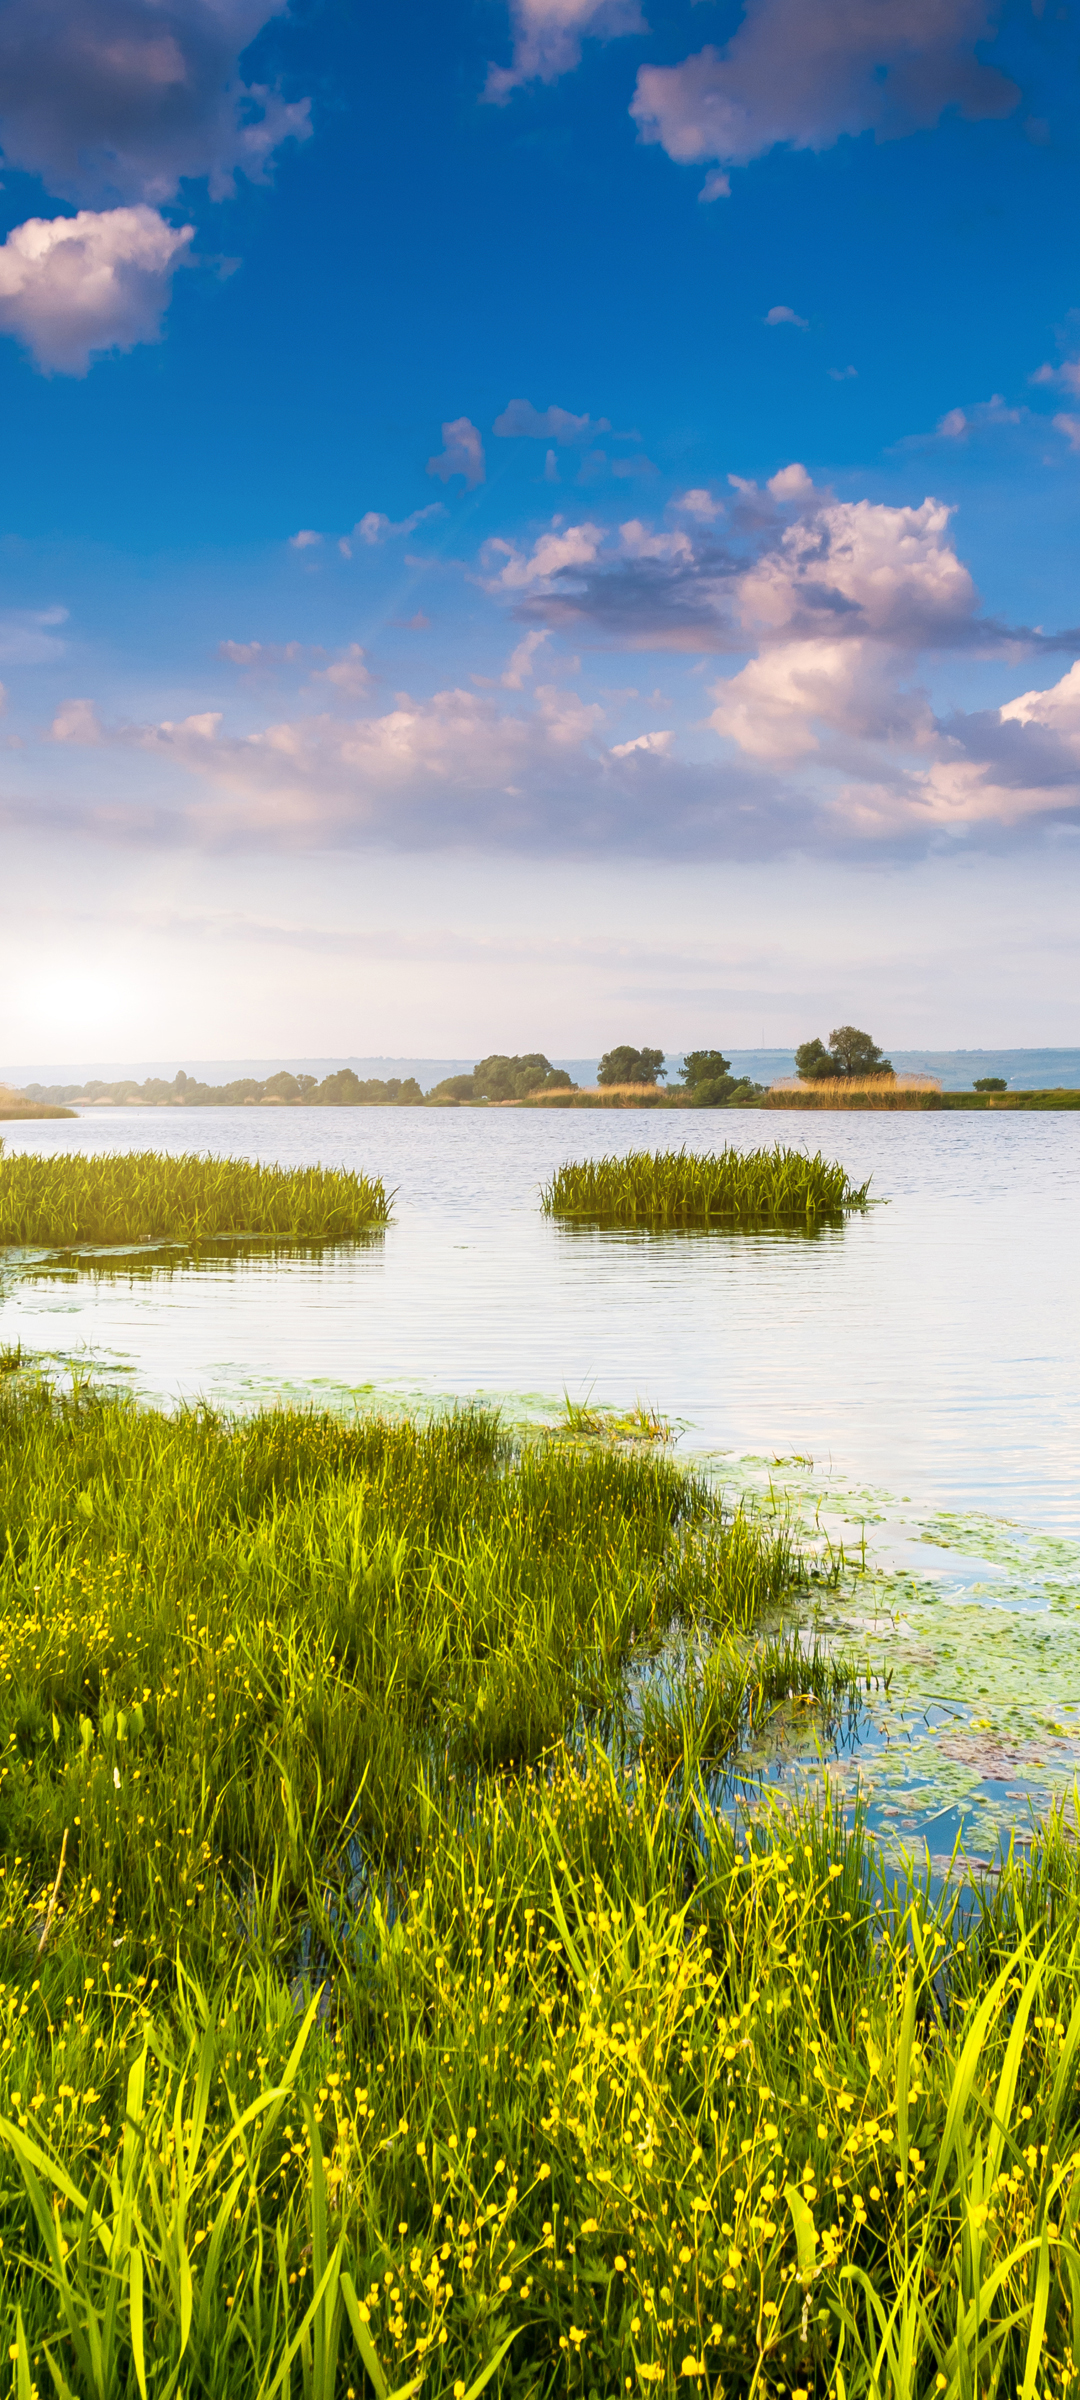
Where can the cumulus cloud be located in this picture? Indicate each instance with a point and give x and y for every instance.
(306, 539)
(551, 553)
(805, 72)
(776, 707)
(521, 421)
(1070, 427)
(462, 453)
(121, 99)
(699, 504)
(787, 316)
(548, 35)
(796, 563)
(73, 286)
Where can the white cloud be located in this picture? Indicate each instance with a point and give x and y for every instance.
(462, 453)
(374, 528)
(548, 35)
(1070, 427)
(891, 572)
(1067, 374)
(77, 721)
(699, 504)
(70, 286)
(638, 542)
(1058, 708)
(347, 674)
(122, 99)
(521, 421)
(576, 546)
(520, 665)
(790, 483)
(787, 316)
(957, 423)
(306, 539)
(261, 654)
(657, 743)
(775, 707)
(806, 72)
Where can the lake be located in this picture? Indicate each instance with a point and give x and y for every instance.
(907, 1381)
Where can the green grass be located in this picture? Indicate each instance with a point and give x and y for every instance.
(354, 2057)
(682, 1187)
(144, 1195)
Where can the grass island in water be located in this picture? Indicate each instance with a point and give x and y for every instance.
(385, 2004)
(682, 1187)
(146, 1195)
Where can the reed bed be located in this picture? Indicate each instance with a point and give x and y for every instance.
(850, 1091)
(340, 2055)
(684, 1187)
(145, 1195)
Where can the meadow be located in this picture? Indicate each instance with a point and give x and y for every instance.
(681, 1187)
(143, 1195)
(386, 2001)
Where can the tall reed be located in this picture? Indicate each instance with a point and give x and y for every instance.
(147, 1195)
(684, 1187)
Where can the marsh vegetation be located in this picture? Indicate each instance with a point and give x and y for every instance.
(682, 1187)
(144, 1195)
(385, 1998)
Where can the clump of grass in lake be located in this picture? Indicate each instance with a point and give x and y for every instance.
(146, 1195)
(340, 2059)
(684, 1187)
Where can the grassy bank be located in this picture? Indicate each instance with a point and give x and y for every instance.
(678, 1187)
(142, 1195)
(345, 2056)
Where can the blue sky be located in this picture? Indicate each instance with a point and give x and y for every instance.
(538, 525)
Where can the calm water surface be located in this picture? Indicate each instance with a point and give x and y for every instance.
(913, 1374)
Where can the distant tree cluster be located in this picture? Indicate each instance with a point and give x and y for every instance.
(850, 1054)
(343, 1090)
(346, 1090)
(990, 1083)
(706, 1081)
(503, 1078)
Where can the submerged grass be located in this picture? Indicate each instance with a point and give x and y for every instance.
(684, 1187)
(144, 1195)
(338, 2057)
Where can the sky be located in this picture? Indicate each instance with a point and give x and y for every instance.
(538, 525)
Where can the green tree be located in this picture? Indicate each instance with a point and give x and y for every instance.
(991, 1083)
(625, 1065)
(703, 1066)
(850, 1053)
